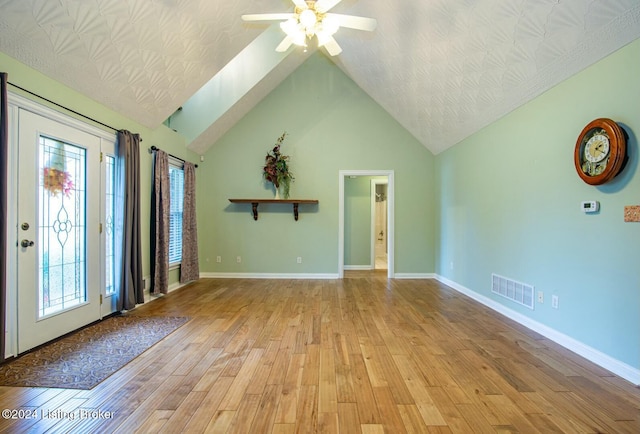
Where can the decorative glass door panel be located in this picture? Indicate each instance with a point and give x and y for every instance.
(109, 303)
(62, 226)
(110, 203)
(59, 192)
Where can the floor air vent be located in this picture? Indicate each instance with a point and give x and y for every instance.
(518, 292)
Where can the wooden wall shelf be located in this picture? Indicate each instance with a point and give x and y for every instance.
(255, 202)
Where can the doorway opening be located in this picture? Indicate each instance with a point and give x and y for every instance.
(379, 241)
(387, 179)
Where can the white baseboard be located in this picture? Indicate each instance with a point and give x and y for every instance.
(268, 276)
(306, 275)
(358, 267)
(414, 276)
(607, 362)
(150, 297)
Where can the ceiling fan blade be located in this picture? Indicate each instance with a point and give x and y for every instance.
(300, 4)
(323, 6)
(284, 45)
(267, 17)
(332, 46)
(353, 22)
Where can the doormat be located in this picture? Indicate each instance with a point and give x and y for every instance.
(84, 358)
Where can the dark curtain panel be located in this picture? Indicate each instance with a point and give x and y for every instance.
(160, 219)
(189, 269)
(129, 272)
(4, 155)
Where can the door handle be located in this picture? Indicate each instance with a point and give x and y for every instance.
(26, 243)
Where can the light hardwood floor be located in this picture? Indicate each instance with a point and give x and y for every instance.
(359, 355)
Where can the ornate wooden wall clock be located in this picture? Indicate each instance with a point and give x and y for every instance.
(600, 151)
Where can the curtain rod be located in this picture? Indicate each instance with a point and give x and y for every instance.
(63, 107)
(155, 148)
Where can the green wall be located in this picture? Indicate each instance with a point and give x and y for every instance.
(509, 203)
(163, 137)
(332, 125)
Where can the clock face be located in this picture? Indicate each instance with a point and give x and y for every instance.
(596, 152)
(600, 151)
(597, 147)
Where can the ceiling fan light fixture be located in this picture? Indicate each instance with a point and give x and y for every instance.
(299, 39)
(311, 18)
(290, 27)
(308, 19)
(294, 31)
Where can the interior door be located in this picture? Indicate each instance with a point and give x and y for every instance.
(59, 205)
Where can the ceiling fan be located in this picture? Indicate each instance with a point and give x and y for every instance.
(312, 18)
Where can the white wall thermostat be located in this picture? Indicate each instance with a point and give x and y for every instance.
(590, 206)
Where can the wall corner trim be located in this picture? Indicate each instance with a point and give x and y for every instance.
(609, 363)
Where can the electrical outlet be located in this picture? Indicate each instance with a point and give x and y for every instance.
(540, 297)
(239, 259)
(299, 260)
(451, 265)
(554, 301)
(218, 259)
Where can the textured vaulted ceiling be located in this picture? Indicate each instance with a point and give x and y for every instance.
(442, 68)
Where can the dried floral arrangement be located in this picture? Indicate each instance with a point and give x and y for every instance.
(276, 169)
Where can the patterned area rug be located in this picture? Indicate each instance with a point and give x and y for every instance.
(86, 357)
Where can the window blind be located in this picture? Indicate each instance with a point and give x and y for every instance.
(176, 179)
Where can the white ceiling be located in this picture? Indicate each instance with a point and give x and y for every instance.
(442, 68)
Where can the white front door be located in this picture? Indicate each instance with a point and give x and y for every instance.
(59, 203)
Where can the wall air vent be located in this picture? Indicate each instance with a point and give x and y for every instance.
(518, 292)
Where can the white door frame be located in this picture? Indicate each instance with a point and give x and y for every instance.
(108, 140)
(390, 216)
(36, 325)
